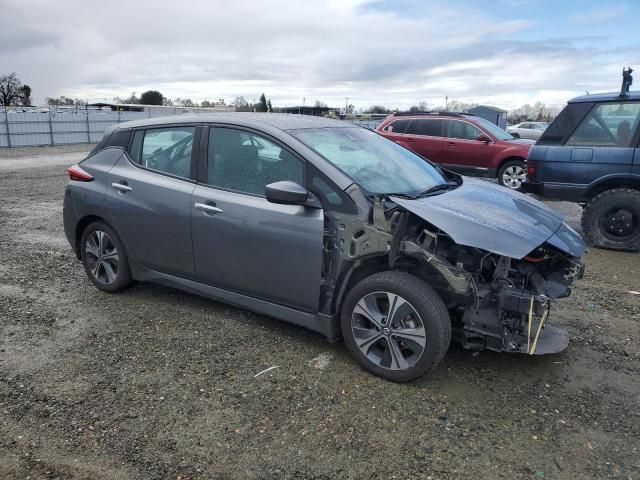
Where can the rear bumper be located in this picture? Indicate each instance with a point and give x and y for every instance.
(556, 191)
(70, 220)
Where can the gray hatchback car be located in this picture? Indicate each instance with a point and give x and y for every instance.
(325, 225)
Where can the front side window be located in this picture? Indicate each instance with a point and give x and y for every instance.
(244, 162)
(377, 164)
(608, 125)
(167, 150)
(431, 127)
(462, 130)
(494, 130)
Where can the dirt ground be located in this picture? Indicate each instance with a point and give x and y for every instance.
(155, 383)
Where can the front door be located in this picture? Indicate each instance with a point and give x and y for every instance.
(463, 152)
(149, 195)
(242, 242)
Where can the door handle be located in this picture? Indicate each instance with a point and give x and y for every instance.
(209, 209)
(410, 140)
(451, 144)
(122, 187)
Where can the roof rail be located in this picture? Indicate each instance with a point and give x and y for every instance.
(444, 114)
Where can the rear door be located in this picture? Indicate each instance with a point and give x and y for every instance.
(149, 195)
(242, 242)
(396, 129)
(426, 137)
(463, 152)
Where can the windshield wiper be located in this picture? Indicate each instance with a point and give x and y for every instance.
(438, 188)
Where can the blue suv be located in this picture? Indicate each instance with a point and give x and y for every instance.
(590, 154)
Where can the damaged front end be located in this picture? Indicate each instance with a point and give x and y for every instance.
(496, 301)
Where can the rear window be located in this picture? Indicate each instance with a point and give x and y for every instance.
(432, 127)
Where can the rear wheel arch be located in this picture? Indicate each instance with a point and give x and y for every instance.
(632, 182)
(504, 161)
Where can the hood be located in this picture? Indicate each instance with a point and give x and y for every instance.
(485, 215)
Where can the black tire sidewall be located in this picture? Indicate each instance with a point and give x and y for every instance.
(427, 303)
(598, 206)
(123, 278)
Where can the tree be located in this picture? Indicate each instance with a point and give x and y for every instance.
(420, 107)
(261, 106)
(319, 104)
(11, 90)
(151, 97)
(25, 95)
(350, 109)
(269, 106)
(167, 102)
(239, 102)
(206, 104)
(377, 109)
(65, 101)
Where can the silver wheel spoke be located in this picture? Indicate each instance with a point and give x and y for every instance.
(368, 308)
(415, 335)
(100, 241)
(113, 255)
(398, 308)
(365, 338)
(397, 359)
(95, 269)
(110, 272)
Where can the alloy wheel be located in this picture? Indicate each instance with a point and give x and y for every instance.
(102, 257)
(388, 330)
(514, 176)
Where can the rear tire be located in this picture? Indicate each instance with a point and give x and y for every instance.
(611, 220)
(515, 135)
(512, 174)
(104, 258)
(411, 341)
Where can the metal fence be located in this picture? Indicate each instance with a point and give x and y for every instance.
(61, 127)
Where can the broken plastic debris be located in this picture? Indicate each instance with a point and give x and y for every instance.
(265, 371)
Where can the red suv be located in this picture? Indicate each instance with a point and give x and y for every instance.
(461, 142)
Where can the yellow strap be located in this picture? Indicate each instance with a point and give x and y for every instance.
(535, 341)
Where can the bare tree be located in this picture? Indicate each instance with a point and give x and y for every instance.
(10, 90)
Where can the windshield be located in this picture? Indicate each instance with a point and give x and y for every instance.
(378, 165)
(493, 129)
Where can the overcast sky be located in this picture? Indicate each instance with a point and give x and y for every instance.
(501, 52)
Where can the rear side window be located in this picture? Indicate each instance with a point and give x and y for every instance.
(462, 130)
(167, 150)
(564, 124)
(608, 125)
(431, 127)
(398, 126)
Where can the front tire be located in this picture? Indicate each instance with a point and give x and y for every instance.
(512, 174)
(611, 220)
(395, 326)
(104, 258)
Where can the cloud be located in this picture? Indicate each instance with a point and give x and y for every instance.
(326, 50)
(600, 15)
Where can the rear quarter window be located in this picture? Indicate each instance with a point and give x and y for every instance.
(564, 124)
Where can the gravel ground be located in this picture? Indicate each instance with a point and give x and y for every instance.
(155, 383)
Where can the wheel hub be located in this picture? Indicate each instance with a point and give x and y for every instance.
(620, 223)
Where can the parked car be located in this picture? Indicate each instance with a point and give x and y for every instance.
(590, 154)
(461, 143)
(343, 232)
(530, 130)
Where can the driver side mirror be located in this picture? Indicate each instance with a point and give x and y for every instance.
(287, 192)
(483, 138)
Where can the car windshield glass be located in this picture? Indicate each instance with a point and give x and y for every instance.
(493, 129)
(378, 165)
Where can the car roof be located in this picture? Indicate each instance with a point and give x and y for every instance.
(606, 97)
(281, 121)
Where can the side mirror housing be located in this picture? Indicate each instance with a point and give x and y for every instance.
(286, 192)
(483, 138)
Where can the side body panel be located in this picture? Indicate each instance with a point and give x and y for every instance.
(153, 218)
(257, 248)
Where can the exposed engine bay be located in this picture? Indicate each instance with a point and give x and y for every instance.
(495, 301)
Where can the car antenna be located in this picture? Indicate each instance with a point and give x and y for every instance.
(627, 80)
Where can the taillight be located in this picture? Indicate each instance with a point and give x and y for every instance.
(78, 174)
(531, 170)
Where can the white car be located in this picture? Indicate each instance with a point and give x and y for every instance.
(531, 130)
